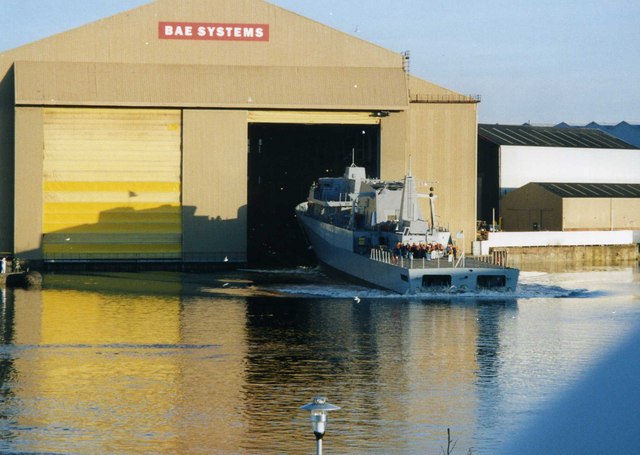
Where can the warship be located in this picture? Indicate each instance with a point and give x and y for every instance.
(373, 231)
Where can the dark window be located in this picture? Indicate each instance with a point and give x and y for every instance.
(436, 281)
(492, 281)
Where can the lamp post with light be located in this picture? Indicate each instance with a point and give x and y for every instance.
(319, 408)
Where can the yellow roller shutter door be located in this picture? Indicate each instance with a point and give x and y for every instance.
(112, 184)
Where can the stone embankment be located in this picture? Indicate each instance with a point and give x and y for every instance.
(525, 257)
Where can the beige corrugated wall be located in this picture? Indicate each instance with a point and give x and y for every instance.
(215, 185)
(28, 192)
(313, 117)
(531, 204)
(132, 37)
(393, 144)
(600, 213)
(442, 143)
(210, 86)
(111, 183)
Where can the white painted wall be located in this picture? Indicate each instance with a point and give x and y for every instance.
(552, 238)
(520, 165)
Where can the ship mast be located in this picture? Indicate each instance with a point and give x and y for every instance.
(409, 210)
(432, 206)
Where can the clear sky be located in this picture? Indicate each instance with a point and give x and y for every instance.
(543, 61)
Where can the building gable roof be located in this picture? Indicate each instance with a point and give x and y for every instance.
(136, 36)
(542, 136)
(592, 190)
(311, 64)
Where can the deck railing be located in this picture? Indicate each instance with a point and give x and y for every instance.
(386, 256)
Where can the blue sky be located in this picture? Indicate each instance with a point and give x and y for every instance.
(542, 61)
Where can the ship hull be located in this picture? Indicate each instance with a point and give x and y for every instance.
(334, 247)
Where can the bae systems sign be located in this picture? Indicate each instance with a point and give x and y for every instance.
(213, 31)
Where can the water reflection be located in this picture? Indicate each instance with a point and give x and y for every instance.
(163, 363)
(489, 367)
(7, 370)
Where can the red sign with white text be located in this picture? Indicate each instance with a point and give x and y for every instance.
(213, 31)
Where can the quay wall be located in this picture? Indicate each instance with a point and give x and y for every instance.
(553, 238)
(527, 249)
(529, 257)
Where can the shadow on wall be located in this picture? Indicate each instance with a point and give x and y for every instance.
(7, 140)
(212, 239)
(163, 233)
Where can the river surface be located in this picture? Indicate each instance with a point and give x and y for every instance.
(221, 363)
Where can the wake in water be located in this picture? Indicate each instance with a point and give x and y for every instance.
(317, 285)
(524, 291)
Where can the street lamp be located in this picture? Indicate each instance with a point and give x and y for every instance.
(319, 408)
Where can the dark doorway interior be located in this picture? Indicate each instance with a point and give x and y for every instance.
(284, 160)
(488, 180)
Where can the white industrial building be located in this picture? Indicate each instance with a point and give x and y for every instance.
(510, 157)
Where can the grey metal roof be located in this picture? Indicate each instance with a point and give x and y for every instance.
(593, 190)
(628, 132)
(549, 136)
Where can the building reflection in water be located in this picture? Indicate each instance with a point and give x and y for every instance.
(490, 317)
(127, 369)
(115, 371)
(7, 369)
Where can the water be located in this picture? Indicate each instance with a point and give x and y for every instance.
(171, 363)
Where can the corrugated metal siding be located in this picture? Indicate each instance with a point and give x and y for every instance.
(111, 183)
(314, 117)
(593, 190)
(601, 213)
(132, 36)
(531, 204)
(27, 224)
(393, 145)
(561, 207)
(442, 146)
(543, 136)
(214, 193)
(247, 87)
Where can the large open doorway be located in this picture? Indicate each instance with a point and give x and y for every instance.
(284, 160)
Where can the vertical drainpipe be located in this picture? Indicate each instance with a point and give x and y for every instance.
(611, 213)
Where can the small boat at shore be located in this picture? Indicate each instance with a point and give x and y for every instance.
(373, 231)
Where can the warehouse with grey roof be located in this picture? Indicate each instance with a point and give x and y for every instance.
(514, 156)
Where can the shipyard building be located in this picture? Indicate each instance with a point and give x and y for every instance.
(561, 178)
(187, 131)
